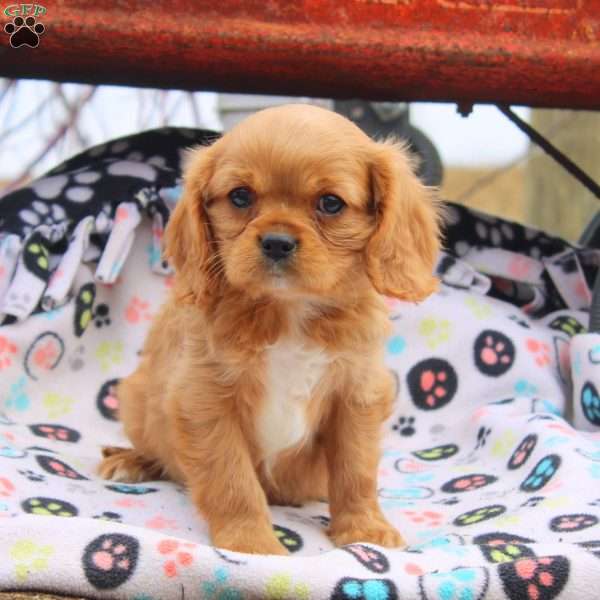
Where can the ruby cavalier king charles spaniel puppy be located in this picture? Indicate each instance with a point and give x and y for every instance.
(262, 380)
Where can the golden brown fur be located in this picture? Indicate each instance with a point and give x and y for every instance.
(192, 407)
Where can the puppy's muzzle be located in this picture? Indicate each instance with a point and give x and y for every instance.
(278, 246)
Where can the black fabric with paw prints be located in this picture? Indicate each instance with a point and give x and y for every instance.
(69, 215)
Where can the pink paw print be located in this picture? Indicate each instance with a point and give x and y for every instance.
(157, 232)
(159, 522)
(7, 349)
(137, 310)
(429, 518)
(44, 356)
(573, 522)
(56, 276)
(6, 487)
(519, 267)
(177, 555)
(129, 503)
(121, 215)
(540, 350)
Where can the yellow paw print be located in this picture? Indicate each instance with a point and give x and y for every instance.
(556, 501)
(504, 444)
(507, 520)
(29, 557)
(57, 405)
(109, 354)
(480, 310)
(435, 331)
(280, 587)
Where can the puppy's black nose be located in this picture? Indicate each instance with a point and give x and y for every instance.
(278, 246)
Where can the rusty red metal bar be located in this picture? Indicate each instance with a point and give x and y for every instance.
(533, 52)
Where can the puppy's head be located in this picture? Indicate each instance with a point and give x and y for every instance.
(297, 201)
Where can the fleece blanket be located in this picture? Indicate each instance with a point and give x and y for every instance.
(490, 463)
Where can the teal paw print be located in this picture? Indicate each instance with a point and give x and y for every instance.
(459, 584)
(590, 403)
(401, 497)
(396, 345)
(451, 544)
(217, 589)
(541, 473)
(594, 355)
(524, 388)
(350, 588)
(17, 398)
(154, 254)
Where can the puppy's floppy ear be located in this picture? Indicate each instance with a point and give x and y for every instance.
(187, 236)
(401, 253)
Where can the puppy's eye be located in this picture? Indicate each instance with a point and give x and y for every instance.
(330, 204)
(241, 197)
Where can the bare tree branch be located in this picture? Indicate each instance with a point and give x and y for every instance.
(61, 131)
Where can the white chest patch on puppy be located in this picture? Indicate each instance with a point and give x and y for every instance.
(292, 373)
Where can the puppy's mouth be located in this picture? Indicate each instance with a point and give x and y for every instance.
(278, 274)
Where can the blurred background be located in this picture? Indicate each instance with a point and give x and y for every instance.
(481, 160)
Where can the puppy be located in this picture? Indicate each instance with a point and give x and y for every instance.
(262, 379)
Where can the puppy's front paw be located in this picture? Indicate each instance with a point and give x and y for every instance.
(249, 540)
(353, 530)
(127, 465)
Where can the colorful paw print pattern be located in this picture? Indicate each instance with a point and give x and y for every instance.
(541, 474)
(350, 588)
(127, 488)
(59, 433)
(432, 383)
(494, 353)
(478, 515)
(107, 401)
(590, 403)
(569, 325)
(84, 303)
(58, 467)
(7, 451)
(44, 354)
(49, 507)
(468, 483)
(502, 547)
(534, 578)
(522, 452)
(178, 556)
(573, 522)
(457, 584)
(36, 256)
(369, 557)
(437, 452)
(110, 560)
(288, 538)
(467, 472)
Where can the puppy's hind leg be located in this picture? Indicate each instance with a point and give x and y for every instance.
(128, 466)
